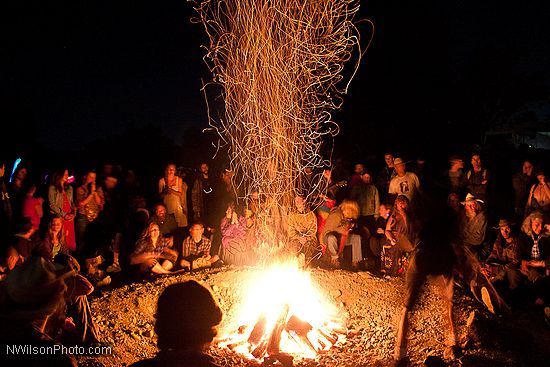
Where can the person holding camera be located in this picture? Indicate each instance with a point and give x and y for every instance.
(89, 202)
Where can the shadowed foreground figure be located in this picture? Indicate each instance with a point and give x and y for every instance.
(434, 238)
(184, 336)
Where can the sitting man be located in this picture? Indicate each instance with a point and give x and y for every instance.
(195, 250)
(302, 230)
(502, 266)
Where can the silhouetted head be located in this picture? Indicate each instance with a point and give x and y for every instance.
(187, 317)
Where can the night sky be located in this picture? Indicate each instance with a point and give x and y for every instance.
(77, 72)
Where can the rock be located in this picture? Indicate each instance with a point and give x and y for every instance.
(335, 293)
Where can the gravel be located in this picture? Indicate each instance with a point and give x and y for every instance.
(370, 305)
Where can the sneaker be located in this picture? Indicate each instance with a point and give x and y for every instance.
(113, 268)
(486, 298)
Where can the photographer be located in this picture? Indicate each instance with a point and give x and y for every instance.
(89, 202)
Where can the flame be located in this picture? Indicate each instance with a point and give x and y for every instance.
(284, 295)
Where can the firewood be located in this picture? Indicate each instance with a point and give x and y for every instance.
(275, 338)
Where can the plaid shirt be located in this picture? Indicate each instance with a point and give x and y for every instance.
(535, 251)
(190, 247)
(144, 246)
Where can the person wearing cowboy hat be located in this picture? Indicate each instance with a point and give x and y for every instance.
(502, 265)
(404, 183)
(32, 293)
(473, 224)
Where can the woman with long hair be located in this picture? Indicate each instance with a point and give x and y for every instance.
(154, 253)
(173, 192)
(60, 200)
(55, 240)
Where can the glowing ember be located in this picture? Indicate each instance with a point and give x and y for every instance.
(282, 312)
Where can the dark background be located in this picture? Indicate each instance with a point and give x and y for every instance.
(85, 82)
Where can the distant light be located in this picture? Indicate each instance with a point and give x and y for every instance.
(70, 179)
(17, 161)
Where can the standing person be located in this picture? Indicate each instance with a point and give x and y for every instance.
(32, 206)
(539, 196)
(16, 190)
(477, 179)
(89, 201)
(404, 183)
(385, 175)
(203, 198)
(358, 171)
(454, 175)
(184, 337)
(433, 259)
(60, 200)
(173, 192)
(522, 182)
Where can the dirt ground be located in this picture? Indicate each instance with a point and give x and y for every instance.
(370, 304)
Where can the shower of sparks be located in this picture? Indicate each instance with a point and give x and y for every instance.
(281, 66)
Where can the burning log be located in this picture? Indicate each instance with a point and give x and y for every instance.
(259, 330)
(275, 338)
(301, 329)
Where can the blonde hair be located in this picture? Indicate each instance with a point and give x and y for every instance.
(527, 225)
(349, 208)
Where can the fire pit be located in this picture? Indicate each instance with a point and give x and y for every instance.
(283, 316)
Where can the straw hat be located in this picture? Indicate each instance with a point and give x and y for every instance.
(504, 223)
(469, 198)
(34, 288)
(397, 161)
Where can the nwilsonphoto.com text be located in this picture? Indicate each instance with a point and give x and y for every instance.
(28, 349)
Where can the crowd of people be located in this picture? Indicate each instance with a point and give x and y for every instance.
(104, 224)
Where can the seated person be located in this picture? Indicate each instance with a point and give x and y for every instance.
(32, 293)
(399, 234)
(535, 256)
(24, 240)
(54, 241)
(153, 253)
(184, 337)
(235, 244)
(302, 230)
(195, 250)
(502, 265)
(75, 325)
(378, 238)
(473, 226)
(167, 222)
(337, 234)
